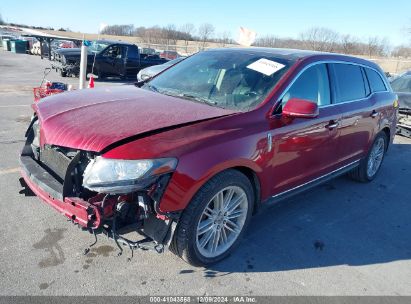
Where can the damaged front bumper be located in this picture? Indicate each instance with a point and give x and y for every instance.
(46, 187)
(111, 214)
(66, 68)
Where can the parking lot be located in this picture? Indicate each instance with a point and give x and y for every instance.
(342, 238)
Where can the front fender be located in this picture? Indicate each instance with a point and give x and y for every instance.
(194, 170)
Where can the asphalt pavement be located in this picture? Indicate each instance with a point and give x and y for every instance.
(341, 238)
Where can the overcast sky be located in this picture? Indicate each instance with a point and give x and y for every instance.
(361, 18)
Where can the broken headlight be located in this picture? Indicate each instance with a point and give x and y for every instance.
(117, 176)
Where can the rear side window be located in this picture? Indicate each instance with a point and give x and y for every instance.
(312, 85)
(132, 52)
(349, 82)
(375, 80)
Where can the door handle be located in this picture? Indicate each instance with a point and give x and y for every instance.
(374, 114)
(332, 125)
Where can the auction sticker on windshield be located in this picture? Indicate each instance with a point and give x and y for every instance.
(265, 66)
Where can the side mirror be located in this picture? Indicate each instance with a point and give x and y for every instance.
(300, 108)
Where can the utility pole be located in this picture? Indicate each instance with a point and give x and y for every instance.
(83, 66)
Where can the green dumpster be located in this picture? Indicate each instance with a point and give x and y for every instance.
(18, 46)
(6, 44)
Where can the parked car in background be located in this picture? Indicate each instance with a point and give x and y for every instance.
(148, 51)
(170, 55)
(402, 86)
(187, 158)
(152, 71)
(110, 58)
(66, 44)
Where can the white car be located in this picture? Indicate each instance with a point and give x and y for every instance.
(152, 71)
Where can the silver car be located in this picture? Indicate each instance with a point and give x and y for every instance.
(152, 71)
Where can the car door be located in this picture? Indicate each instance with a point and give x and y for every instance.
(132, 60)
(119, 64)
(107, 60)
(361, 113)
(305, 148)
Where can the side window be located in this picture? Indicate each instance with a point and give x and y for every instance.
(349, 82)
(376, 83)
(312, 84)
(113, 51)
(132, 52)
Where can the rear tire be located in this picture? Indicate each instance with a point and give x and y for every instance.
(371, 164)
(205, 218)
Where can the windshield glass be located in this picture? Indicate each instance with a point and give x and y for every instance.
(227, 79)
(402, 84)
(98, 46)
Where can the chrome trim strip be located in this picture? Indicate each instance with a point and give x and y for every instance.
(269, 142)
(316, 179)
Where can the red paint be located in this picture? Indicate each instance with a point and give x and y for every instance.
(296, 107)
(93, 119)
(302, 148)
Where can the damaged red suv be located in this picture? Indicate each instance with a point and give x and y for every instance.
(186, 158)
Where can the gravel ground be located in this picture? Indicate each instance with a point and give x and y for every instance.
(342, 238)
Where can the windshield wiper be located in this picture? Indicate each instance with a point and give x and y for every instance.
(198, 98)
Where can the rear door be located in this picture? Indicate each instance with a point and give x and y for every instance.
(132, 60)
(360, 114)
(120, 60)
(305, 148)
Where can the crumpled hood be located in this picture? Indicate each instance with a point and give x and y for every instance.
(93, 119)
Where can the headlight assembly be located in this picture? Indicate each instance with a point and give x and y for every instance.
(118, 176)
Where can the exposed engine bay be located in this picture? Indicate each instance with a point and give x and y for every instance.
(58, 175)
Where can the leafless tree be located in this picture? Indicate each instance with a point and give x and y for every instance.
(267, 41)
(205, 32)
(188, 30)
(320, 39)
(377, 46)
(119, 30)
(224, 38)
(349, 45)
(402, 51)
(170, 34)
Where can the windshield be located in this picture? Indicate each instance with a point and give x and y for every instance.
(98, 46)
(402, 84)
(222, 78)
(174, 61)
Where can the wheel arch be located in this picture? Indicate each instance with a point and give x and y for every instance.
(188, 188)
(255, 183)
(387, 132)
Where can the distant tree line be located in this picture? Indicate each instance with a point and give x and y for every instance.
(316, 38)
(326, 40)
(170, 33)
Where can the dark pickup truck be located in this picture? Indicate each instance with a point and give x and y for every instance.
(110, 58)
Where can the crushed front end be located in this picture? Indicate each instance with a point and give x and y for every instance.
(79, 184)
(66, 65)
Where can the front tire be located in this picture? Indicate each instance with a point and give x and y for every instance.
(371, 164)
(214, 222)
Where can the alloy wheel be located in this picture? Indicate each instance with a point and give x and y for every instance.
(222, 221)
(376, 156)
